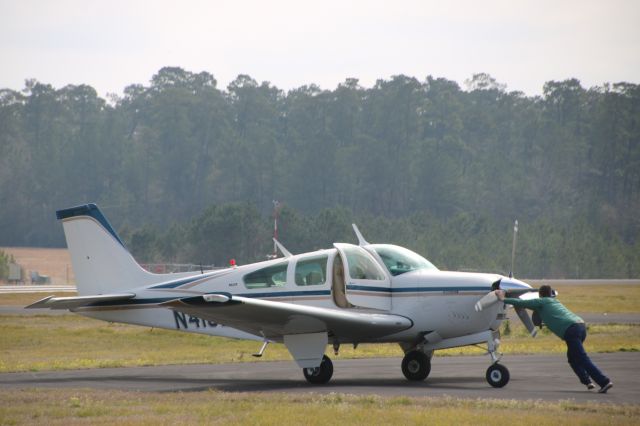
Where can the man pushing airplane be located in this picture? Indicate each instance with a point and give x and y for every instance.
(570, 328)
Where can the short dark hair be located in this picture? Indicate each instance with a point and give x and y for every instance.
(545, 291)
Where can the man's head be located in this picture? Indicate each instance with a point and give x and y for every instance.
(545, 291)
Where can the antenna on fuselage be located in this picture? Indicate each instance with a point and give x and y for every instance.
(361, 240)
(284, 251)
(276, 244)
(513, 247)
(276, 211)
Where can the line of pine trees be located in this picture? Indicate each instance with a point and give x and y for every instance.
(427, 164)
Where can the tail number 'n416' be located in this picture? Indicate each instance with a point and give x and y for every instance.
(184, 321)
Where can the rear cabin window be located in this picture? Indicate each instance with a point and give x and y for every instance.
(272, 276)
(311, 271)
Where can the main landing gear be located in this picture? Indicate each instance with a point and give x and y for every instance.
(416, 365)
(319, 375)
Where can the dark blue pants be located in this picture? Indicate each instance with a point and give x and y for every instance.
(578, 358)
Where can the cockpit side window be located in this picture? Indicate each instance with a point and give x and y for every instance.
(311, 271)
(272, 276)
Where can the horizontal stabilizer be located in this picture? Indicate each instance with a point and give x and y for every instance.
(51, 302)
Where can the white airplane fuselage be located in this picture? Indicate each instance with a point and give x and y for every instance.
(433, 300)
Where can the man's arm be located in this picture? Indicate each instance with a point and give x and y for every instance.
(529, 304)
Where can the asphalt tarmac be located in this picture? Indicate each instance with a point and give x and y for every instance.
(533, 377)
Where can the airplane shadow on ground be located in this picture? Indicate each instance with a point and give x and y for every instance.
(186, 384)
(337, 384)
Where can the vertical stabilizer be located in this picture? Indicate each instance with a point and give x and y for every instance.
(101, 262)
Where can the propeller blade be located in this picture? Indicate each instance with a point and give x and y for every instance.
(487, 300)
(526, 320)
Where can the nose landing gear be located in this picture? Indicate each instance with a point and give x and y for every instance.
(497, 374)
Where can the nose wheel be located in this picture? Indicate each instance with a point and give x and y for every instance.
(497, 375)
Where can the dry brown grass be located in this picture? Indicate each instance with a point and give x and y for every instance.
(610, 298)
(54, 262)
(85, 406)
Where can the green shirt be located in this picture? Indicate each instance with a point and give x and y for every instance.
(553, 313)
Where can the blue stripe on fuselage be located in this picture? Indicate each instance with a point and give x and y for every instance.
(299, 293)
(415, 289)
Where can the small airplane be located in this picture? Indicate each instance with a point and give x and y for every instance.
(348, 294)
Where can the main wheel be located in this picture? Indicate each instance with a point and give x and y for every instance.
(497, 375)
(416, 365)
(319, 375)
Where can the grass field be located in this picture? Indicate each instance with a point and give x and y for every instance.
(70, 407)
(32, 343)
(618, 298)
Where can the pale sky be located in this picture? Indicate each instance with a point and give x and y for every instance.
(110, 44)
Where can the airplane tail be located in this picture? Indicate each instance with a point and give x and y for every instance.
(101, 263)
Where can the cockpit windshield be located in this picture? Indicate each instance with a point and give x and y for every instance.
(399, 260)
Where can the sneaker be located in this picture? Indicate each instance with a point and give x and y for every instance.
(591, 386)
(606, 387)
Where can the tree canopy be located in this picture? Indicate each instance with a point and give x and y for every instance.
(423, 163)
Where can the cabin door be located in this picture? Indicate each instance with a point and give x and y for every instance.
(365, 283)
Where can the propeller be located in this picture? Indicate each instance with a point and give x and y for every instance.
(513, 288)
(526, 320)
(486, 301)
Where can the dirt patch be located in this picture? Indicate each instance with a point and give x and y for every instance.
(54, 262)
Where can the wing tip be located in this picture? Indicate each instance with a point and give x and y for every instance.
(40, 304)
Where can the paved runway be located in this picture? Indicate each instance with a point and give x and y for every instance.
(544, 377)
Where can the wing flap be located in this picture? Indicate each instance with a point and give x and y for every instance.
(51, 302)
(273, 320)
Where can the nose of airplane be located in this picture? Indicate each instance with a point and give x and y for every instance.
(512, 287)
(510, 283)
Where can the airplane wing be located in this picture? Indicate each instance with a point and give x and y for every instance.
(51, 302)
(273, 320)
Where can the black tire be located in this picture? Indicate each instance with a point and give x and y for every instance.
(319, 375)
(497, 375)
(416, 366)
